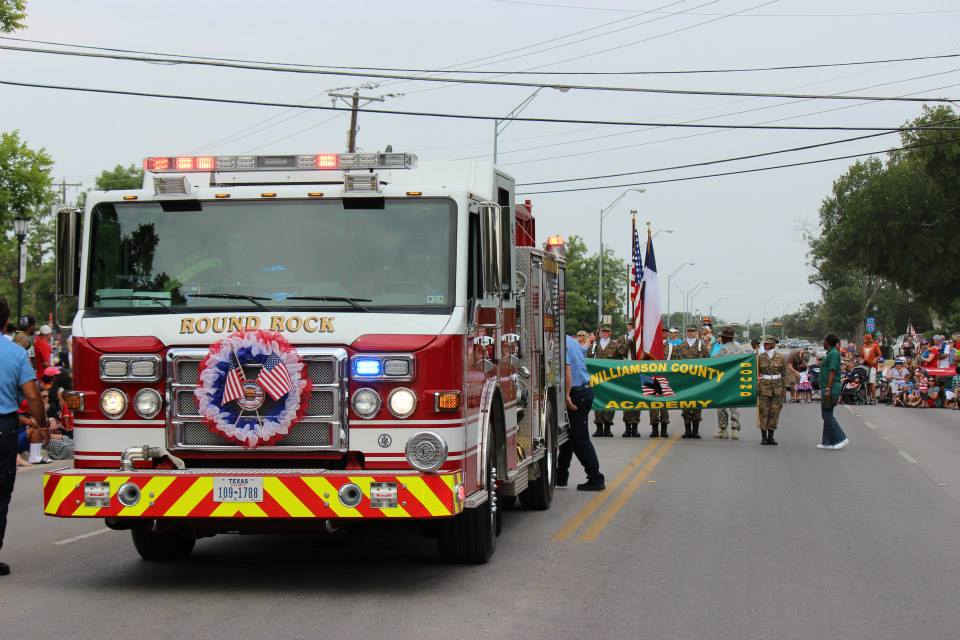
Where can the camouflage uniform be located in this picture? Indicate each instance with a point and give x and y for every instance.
(729, 417)
(631, 418)
(772, 373)
(685, 351)
(615, 350)
(661, 416)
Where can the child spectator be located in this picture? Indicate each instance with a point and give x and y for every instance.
(804, 388)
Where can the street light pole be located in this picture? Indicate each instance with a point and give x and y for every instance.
(603, 216)
(669, 278)
(716, 302)
(693, 293)
(498, 129)
(21, 226)
(763, 323)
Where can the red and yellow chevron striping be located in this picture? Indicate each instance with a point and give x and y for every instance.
(190, 495)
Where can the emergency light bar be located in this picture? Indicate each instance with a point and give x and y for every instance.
(320, 161)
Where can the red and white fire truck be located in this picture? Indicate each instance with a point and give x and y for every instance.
(286, 343)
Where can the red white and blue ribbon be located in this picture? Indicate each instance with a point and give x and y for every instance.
(258, 410)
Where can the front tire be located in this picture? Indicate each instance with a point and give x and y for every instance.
(471, 537)
(162, 546)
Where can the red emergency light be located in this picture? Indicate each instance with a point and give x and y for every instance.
(304, 162)
(180, 163)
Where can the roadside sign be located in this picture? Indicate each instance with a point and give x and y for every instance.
(871, 325)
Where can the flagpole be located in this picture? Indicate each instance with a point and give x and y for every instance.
(243, 377)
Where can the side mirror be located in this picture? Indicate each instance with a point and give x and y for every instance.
(67, 264)
(492, 263)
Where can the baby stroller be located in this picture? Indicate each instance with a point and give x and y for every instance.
(814, 371)
(854, 389)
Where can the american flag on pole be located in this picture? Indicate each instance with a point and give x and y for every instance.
(649, 299)
(233, 389)
(636, 295)
(274, 377)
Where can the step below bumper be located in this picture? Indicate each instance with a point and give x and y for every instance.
(73, 493)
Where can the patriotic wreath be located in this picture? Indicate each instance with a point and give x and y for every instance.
(252, 411)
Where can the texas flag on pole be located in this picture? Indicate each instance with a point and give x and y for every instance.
(651, 326)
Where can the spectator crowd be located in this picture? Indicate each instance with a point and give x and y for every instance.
(50, 355)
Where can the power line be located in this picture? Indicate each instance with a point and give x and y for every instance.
(459, 116)
(741, 171)
(550, 5)
(563, 37)
(502, 83)
(620, 46)
(742, 111)
(445, 70)
(498, 72)
(684, 111)
(652, 72)
(720, 161)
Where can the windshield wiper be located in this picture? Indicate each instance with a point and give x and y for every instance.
(159, 301)
(231, 296)
(353, 302)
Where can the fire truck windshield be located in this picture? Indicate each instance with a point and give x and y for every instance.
(155, 257)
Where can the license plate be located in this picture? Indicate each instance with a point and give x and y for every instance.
(238, 489)
(383, 495)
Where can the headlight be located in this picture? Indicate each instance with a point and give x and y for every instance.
(366, 402)
(426, 451)
(396, 367)
(113, 403)
(147, 403)
(402, 402)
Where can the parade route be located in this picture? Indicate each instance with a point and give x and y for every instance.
(690, 540)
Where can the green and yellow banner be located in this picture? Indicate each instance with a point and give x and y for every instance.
(711, 383)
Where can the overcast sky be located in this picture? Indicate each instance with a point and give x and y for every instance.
(745, 233)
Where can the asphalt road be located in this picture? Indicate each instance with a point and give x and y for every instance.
(707, 539)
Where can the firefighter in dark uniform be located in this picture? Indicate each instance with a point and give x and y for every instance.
(692, 348)
(606, 348)
(771, 375)
(16, 379)
(631, 419)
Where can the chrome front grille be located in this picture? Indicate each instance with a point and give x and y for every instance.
(302, 434)
(323, 427)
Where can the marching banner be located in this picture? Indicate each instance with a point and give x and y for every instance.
(711, 383)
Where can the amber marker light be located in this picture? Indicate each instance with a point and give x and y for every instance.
(221, 196)
(446, 401)
(129, 197)
(315, 194)
(268, 194)
(414, 193)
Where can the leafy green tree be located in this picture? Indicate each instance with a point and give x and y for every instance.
(119, 177)
(12, 15)
(25, 190)
(886, 230)
(582, 275)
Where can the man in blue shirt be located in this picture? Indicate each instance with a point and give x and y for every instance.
(579, 400)
(16, 378)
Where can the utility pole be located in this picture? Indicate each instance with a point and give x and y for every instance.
(63, 188)
(354, 100)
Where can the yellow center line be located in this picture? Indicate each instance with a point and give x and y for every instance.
(591, 507)
(598, 525)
